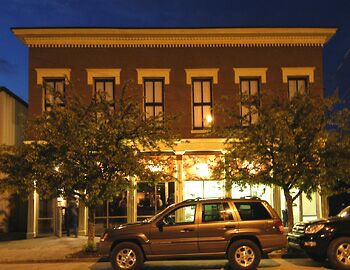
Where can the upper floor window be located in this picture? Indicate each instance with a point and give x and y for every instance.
(105, 87)
(153, 97)
(54, 93)
(297, 86)
(250, 91)
(202, 103)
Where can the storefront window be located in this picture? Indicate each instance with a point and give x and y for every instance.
(45, 218)
(152, 199)
(309, 207)
(111, 213)
(204, 189)
(259, 191)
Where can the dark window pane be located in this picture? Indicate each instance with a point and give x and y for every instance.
(212, 212)
(249, 88)
(252, 211)
(153, 91)
(202, 103)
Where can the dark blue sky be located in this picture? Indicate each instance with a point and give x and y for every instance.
(175, 13)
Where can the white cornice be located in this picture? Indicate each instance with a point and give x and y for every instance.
(202, 37)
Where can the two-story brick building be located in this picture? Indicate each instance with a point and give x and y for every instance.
(186, 72)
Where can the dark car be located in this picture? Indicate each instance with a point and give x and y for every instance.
(325, 238)
(237, 229)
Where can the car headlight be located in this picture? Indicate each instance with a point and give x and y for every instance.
(314, 228)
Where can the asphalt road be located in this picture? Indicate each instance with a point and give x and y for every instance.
(266, 264)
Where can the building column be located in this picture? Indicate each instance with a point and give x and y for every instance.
(32, 218)
(83, 219)
(179, 187)
(131, 202)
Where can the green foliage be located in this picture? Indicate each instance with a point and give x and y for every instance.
(289, 147)
(87, 149)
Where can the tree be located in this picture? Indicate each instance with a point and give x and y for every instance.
(286, 147)
(87, 149)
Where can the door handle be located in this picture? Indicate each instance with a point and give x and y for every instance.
(230, 227)
(186, 230)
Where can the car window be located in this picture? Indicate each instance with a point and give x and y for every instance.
(216, 212)
(252, 211)
(182, 215)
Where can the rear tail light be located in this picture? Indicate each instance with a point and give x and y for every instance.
(277, 223)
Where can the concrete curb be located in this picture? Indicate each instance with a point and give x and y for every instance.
(63, 260)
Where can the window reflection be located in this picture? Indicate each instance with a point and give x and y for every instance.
(152, 199)
(111, 213)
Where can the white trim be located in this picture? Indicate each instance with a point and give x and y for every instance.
(153, 73)
(298, 71)
(249, 72)
(173, 37)
(103, 73)
(42, 73)
(201, 73)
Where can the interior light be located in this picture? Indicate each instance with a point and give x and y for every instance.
(209, 118)
(202, 170)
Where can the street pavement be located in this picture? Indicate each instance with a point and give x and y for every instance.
(64, 253)
(266, 264)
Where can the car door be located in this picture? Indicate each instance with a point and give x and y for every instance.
(216, 227)
(253, 219)
(176, 233)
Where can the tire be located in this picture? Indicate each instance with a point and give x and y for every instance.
(126, 256)
(316, 257)
(244, 255)
(338, 253)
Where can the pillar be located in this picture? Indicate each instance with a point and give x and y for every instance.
(179, 187)
(83, 219)
(32, 218)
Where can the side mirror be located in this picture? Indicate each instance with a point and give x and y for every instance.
(160, 225)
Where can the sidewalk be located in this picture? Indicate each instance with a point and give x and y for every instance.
(46, 249)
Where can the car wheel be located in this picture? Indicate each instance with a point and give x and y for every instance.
(126, 256)
(244, 254)
(316, 257)
(339, 253)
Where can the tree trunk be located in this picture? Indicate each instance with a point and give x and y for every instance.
(289, 201)
(91, 227)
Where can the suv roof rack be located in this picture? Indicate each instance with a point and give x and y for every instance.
(250, 198)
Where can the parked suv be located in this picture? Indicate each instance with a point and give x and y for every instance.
(325, 238)
(238, 229)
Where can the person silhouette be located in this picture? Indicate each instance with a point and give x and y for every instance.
(72, 217)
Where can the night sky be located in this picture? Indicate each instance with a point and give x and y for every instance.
(175, 13)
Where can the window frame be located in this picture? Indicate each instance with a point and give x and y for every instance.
(225, 206)
(298, 78)
(202, 104)
(104, 80)
(54, 80)
(153, 104)
(262, 206)
(249, 79)
(181, 223)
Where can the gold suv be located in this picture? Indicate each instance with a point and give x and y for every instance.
(237, 229)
